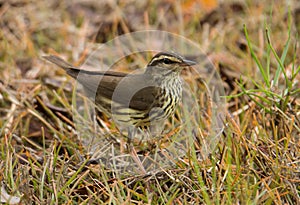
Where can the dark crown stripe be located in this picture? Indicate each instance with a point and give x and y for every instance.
(159, 58)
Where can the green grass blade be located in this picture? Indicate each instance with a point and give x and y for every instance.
(260, 67)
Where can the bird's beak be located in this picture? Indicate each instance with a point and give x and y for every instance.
(189, 62)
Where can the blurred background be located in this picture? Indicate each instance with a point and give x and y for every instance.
(35, 97)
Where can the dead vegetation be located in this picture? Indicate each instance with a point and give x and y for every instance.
(255, 48)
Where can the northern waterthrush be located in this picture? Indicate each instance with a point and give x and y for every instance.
(134, 100)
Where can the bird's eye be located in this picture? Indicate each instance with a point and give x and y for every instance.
(167, 61)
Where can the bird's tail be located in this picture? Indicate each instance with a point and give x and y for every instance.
(71, 70)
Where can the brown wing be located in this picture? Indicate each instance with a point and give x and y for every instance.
(132, 91)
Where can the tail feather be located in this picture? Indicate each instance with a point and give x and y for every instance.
(71, 70)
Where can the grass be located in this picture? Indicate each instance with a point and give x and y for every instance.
(254, 47)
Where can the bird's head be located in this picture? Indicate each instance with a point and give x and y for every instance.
(165, 63)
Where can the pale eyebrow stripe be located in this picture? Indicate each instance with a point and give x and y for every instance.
(165, 56)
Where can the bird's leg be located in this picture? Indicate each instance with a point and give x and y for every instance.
(132, 151)
(131, 134)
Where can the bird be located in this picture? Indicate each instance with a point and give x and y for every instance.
(134, 101)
